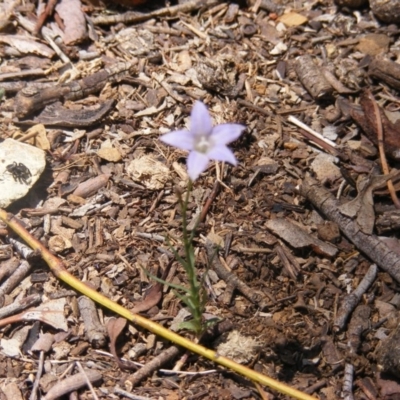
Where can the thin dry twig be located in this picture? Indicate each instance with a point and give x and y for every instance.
(132, 17)
(39, 372)
(350, 302)
(20, 304)
(382, 154)
(231, 279)
(152, 366)
(88, 383)
(348, 382)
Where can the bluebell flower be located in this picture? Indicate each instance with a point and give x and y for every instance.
(204, 141)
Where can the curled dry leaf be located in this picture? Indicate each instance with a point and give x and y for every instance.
(362, 207)
(114, 327)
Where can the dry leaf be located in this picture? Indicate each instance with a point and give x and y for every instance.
(299, 238)
(362, 206)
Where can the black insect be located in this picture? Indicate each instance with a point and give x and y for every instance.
(20, 172)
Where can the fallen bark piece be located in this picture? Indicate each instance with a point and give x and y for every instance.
(74, 21)
(359, 323)
(388, 221)
(31, 99)
(91, 186)
(389, 353)
(11, 391)
(299, 238)
(26, 45)
(373, 44)
(57, 115)
(386, 71)
(376, 249)
(311, 77)
(72, 383)
(389, 387)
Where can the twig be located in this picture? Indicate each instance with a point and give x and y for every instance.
(135, 17)
(21, 74)
(94, 330)
(376, 249)
(254, 250)
(350, 302)
(254, 107)
(153, 365)
(348, 382)
(42, 17)
(22, 249)
(19, 305)
(60, 272)
(90, 386)
(382, 155)
(128, 395)
(15, 279)
(290, 264)
(39, 372)
(164, 371)
(231, 279)
(209, 201)
(302, 125)
(73, 382)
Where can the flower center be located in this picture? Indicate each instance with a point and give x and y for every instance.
(203, 144)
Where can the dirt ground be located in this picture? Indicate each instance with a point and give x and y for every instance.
(306, 280)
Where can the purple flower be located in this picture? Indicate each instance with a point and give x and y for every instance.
(204, 141)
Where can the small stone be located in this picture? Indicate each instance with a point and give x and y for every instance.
(29, 161)
(386, 10)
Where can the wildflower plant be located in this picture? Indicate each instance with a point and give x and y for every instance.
(204, 142)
